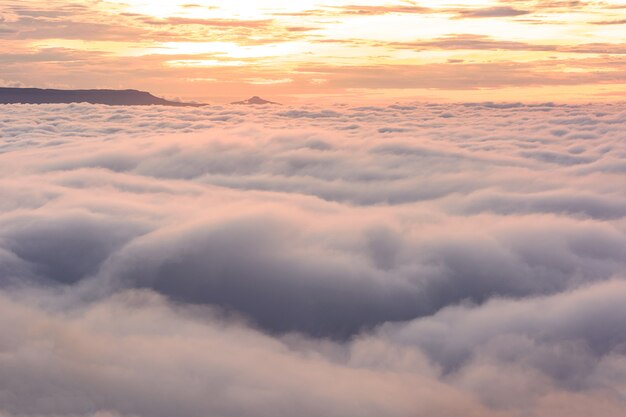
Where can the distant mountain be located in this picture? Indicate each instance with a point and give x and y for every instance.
(256, 100)
(109, 97)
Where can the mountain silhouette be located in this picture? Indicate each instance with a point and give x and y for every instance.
(109, 97)
(256, 100)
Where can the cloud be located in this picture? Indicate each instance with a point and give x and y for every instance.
(548, 343)
(473, 75)
(11, 84)
(460, 42)
(120, 361)
(610, 22)
(500, 11)
(50, 55)
(135, 354)
(210, 22)
(402, 260)
(380, 10)
(66, 20)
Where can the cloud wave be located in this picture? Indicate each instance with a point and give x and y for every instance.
(417, 259)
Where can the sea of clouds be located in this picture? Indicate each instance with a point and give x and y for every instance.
(426, 260)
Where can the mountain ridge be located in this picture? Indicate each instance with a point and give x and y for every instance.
(129, 97)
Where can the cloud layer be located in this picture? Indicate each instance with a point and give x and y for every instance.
(406, 260)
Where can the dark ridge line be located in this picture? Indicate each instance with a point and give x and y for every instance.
(107, 97)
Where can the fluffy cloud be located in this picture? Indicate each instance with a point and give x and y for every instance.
(417, 259)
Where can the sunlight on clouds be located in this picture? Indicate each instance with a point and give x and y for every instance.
(105, 47)
(228, 49)
(265, 81)
(204, 63)
(353, 45)
(456, 3)
(158, 8)
(205, 8)
(388, 27)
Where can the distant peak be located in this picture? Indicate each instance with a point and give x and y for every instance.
(254, 100)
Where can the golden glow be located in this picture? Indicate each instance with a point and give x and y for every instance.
(228, 49)
(403, 48)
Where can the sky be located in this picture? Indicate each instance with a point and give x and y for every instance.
(322, 51)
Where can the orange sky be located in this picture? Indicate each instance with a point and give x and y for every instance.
(346, 50)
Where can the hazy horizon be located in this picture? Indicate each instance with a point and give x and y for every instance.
(570, 51)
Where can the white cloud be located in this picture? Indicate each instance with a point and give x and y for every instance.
(461, 258)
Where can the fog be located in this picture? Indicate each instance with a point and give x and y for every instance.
(408, 260)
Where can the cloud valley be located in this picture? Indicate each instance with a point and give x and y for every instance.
(408, 260)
